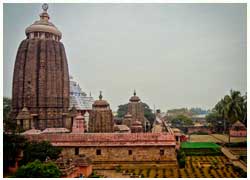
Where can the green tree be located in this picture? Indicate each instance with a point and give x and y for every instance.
(181, 120)
(232, 108)
(215, 120)
(9, 124)
(37, 169)
(196, 111)
(40, 151)
(12, 145)
(148, 113)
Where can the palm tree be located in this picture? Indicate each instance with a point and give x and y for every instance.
(220, 108)
(231, 108)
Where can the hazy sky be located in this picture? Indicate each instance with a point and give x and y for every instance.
(174, 55)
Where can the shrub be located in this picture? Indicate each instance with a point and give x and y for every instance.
(181, 157)
(37, 169)
(236, 144)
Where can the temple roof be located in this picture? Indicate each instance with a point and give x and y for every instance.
(238, 124)
(43, 25)
(121, 128)
(55, 130)
(78, 98)
(100, 102)
(24, 114)
(134, 98)
(136, 123)
(32, 131)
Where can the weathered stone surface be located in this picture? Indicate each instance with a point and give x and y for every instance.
(101, 117)
(136, 109)
(41, 82)
(111, 148)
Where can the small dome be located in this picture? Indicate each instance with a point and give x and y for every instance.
(100, 102)
(43, 25)
(134, 98)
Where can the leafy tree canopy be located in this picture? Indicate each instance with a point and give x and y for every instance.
(12, 145)
(37, 169)
(196, 111)
(233, 107)
(40, 151)
(181, 120)
(9, 124)
(123, 109)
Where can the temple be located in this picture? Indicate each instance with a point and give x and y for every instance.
(101, 119)
(41, 77)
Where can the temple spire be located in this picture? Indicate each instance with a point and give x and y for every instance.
(134, 93)
(44, 15)
(100, 96)
(45, 7)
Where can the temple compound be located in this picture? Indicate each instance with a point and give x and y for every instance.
(41, 77)
(41, 107)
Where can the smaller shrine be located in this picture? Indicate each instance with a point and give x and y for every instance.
(238, 129)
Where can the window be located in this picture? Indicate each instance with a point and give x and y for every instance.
(77, 151)
(98, 152)
(161, 152)
(130, 152)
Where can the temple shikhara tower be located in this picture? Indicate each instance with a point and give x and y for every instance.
(101, 119)
(41, 77)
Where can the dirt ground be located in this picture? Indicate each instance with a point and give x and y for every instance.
(215, 138)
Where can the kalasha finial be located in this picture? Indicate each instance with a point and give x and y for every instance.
(100, 96)
(45, 7)
(134, 93)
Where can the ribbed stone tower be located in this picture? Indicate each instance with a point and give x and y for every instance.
(101, 118)
(135, 108)
(41, 77)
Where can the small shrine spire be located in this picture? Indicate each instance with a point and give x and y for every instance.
(134, 92)
(100, 96)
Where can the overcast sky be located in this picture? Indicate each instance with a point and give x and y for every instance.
(174, 55)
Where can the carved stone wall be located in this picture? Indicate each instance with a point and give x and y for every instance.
(101, 121)
(137, 111)
(41, 82)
